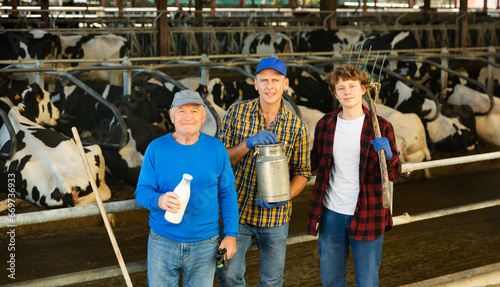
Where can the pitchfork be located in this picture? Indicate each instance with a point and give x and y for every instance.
(375, 85)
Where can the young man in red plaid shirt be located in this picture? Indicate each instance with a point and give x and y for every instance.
(346, 204)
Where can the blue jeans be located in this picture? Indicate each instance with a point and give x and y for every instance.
(333, 245)
(167, 257)
(271, 242)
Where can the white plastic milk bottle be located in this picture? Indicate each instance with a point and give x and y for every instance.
(183, 189)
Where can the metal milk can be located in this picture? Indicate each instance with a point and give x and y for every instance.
(273, 176)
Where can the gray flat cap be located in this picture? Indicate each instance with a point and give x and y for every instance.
(187, 97)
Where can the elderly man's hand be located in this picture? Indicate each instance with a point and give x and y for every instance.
(229, 242)
(169, 201)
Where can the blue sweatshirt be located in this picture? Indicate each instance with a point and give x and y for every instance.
(212, 187)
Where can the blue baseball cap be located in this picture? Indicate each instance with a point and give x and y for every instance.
(272, 63)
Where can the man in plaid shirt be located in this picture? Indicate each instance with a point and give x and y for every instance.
(265, 120)
(346, 204)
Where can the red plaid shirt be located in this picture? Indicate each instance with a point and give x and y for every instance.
(370, 220)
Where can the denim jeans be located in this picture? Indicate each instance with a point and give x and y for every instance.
(333, 245)
(167, 257)
(271, 242)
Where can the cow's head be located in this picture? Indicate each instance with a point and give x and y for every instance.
(143, 104)
(43, 45)
(34, 103)
(216, 88)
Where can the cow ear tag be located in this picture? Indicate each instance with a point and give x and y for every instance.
(149, 97)
(17, 97)
(433, 68)
(38, 99)
(296, 81)
(240, 92)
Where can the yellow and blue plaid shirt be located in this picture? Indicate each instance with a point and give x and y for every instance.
(244, 120)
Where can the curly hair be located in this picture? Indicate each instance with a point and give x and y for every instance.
(346, 72)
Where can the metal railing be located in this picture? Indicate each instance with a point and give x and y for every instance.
(114, 110)
(12, 135)
(143, 30)
(130, 205)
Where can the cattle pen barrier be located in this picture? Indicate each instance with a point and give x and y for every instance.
(131, 205)
(193, 40)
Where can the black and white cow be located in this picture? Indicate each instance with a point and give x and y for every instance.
(163, 93)
(35, 104)
(421, 73)
(95, 47)
(40, 45)
(324, 40)
(237, 91)
(33, 45)
(47, 168)
(184, 45)
(84, 112)
(454, 129)
(267, 43)
(394, 40)
(311, 117)
(396, 94)
(411, 139)
(483, 79)
(487, 126)
(312, 91)
(140, 104)
(125, 164)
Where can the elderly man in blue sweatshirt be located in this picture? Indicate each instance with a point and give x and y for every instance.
(192, 244)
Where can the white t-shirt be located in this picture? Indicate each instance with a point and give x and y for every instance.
(342, 193)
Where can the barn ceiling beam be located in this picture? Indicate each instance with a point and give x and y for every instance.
(119, 3)
(198, 7)
(463, 23)
(427, 8)
(44, 6)
(213, 5)
(15, 3)
(331, 6)
(163, 29)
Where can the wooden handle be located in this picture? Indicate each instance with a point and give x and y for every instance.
(386, 194)
(101, 207)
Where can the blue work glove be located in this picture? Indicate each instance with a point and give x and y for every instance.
(265, 204)
(383, 143)
(264, 137)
